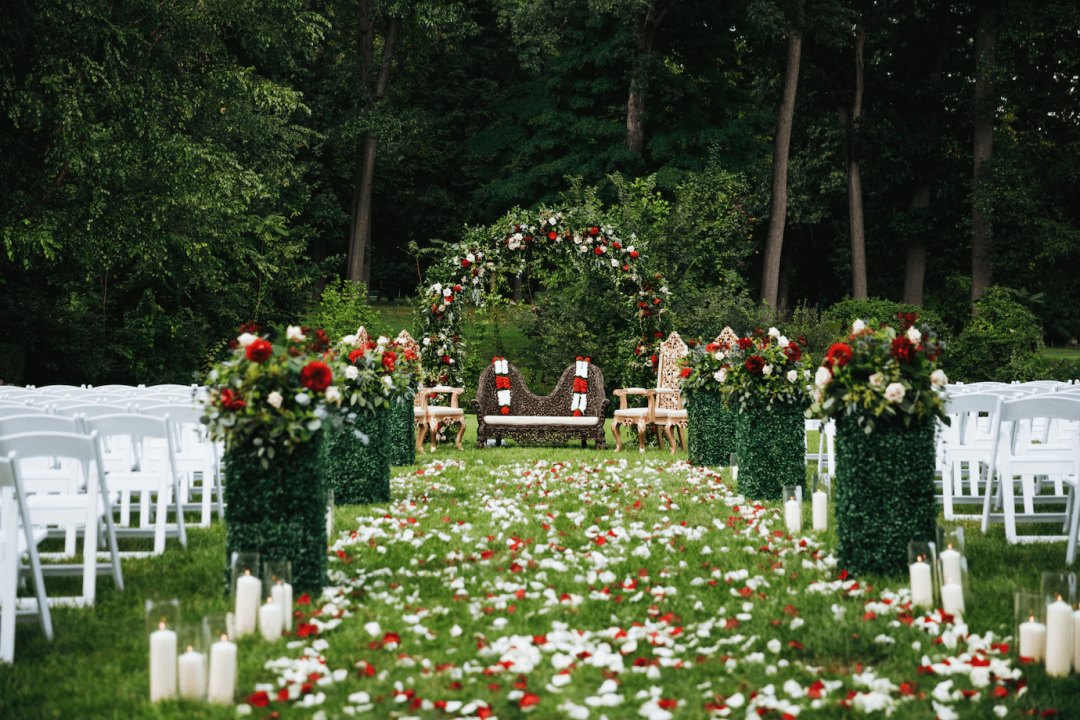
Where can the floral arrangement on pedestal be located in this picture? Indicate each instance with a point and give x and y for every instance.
(881, 374)
(883, 389)
(374, 374)
(273, 396)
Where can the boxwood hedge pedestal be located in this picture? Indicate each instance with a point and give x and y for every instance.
(712, 429)
(280, 511)
(771, 448)
(359, 473)
(884, 494)
(403, 432)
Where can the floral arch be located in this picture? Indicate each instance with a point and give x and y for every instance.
(478, 269)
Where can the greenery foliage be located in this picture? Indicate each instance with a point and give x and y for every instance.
(712, 429)
(875, 311)
(278, 509)
(342, 308)
(884, 494)
(1000, 343)
(771, 450)
(358, 459)
(402, 432)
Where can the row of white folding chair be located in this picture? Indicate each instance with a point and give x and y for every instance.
(1015, 459)
(88, 508)
(18, 538)
(962, 445)
(825, 457)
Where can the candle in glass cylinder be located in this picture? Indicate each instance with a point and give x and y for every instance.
(952, 598)
(222, 671)
(950, 566)
(793, 515)
(1032, 639)
(282, 595)
(191, 668)
(922, 585)
(162, 663)
(1059, 638)
(248, 592)
(821, 510)
(271, 620)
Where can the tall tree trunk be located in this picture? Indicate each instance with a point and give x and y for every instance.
(982, 271)
(854, 177)
(915, 273)
(783, 294)
(774, 241)
(645, 26)
(375, 86)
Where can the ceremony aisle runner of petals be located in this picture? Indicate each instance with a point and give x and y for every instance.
(642, 589)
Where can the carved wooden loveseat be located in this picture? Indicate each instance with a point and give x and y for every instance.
(535, 419)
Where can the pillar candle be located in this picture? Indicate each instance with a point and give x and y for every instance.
(1076, 641)
(248, 592)
(282, 594)
(162, 663)
(821, 510)
(952, 598)
(222, 671)
(793, 515)
(329, 523)
(1059, 638)
(734, 473)
(191, 668)
(1032, 639)
(922, 586)
(950, 566)
(271, 620)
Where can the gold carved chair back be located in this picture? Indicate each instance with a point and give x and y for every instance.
(667, 376)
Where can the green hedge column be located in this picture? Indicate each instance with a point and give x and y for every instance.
(359, 473)
(772, 451)
(712, 429)
(402, 433)
(884, 494)
(279, 512)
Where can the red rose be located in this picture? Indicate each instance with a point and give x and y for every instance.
(552, 235)
(594, 231)
(634, 253)
(656, 301)
(505, 411)
(616, 245)
(259, 351)
(316, 376)
(598, 250)
(448, 299)
(643, 304)
(793, 352)
(685, 372)
(446, 359)
(745, 343)
(259, 699)
(839, 354)
(754, 364)
(577, 413)
(230, 400)
(625, 268)
(357, 353)
(903, 350)
(465, 263)
(658, 334)
(652, 359)
(388, 359)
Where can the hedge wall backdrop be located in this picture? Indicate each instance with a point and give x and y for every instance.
(772, 451)
(712, 429)
(403, 433)
(359, 473)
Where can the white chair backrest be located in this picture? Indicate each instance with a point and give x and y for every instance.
(185, 414)
(61, 389)
(29, 423)
(667, 372)
(128, 424)
(89, 411)
(51, 444)
(17, 410)
(1054, 406)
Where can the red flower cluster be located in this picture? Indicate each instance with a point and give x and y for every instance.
(907, 320)
(581, 385)
(754, 364)
(317, 340)
(903, 350)
(502, 382)
(231, 400)
(316, 376)
(685, 372)
(259, 351)
(598, 250)
(355, 354)
(552, 235)
(633, 253)
(249, 327)
(839, 354)
(793, 352)
(388, 359)
(745, 343)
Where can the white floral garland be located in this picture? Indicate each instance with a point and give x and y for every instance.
(581, 387)
(502, 369)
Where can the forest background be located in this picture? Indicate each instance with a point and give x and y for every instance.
(170, 170)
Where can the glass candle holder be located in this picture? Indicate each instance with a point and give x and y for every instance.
(733, 464)
(191, 666)
(792, 499)
(1030, 625)
(1058, 586)
(952, 569)
(922, 559)
(247, 591)
(329, 513)
(162, 621)
(820, 490)
(217, 638)
(1058, 591)
(277, 585)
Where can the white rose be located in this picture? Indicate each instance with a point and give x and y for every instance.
(551, 220)
(614, 263)
(427, 341)
(894, 393)
(302, 399)
(582, 248)
(773, 332)
(447, 292)
(877, 379)
(858, 326)
(914, 335)
(333, 394)
(295, 334)
(938, 378)
(349, 340)
(720, 375)
(352, 372)
(783, 342)
(792, 375)
(246, 339)
(275, 399)
(470, 257)
(823, 377)
(389, 380)
(436, 288)
(442, 307)
(767, 370)
(720, 355)
(630, 249)
(383, 340)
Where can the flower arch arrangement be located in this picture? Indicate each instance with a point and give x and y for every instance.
(477, 270)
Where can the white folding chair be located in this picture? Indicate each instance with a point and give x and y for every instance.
(18, 410)
(145, 475)
(964, 443)
(1013, 456)
(18, 537)
(197, 458)
(85, 508)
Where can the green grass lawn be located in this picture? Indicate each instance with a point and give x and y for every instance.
(506, 528)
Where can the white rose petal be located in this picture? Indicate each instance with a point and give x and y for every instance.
(792, 375)
(823, 377)
(914, 335)
(894, 393)
(275, 398)
(295, 334)
(939, 378)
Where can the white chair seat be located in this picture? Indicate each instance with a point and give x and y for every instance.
(632, 412)
(539, 420)
(442, 411)
(673, 414)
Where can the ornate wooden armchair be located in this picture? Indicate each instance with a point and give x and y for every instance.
(665, 402)
(430, 418)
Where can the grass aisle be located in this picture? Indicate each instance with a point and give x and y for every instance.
(566, 583)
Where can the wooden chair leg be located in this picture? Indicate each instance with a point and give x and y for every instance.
(421, 432)
(460, 433)
(433, 428)
(682, 436)
(618, 438)
(668, 431)
(641, 437)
